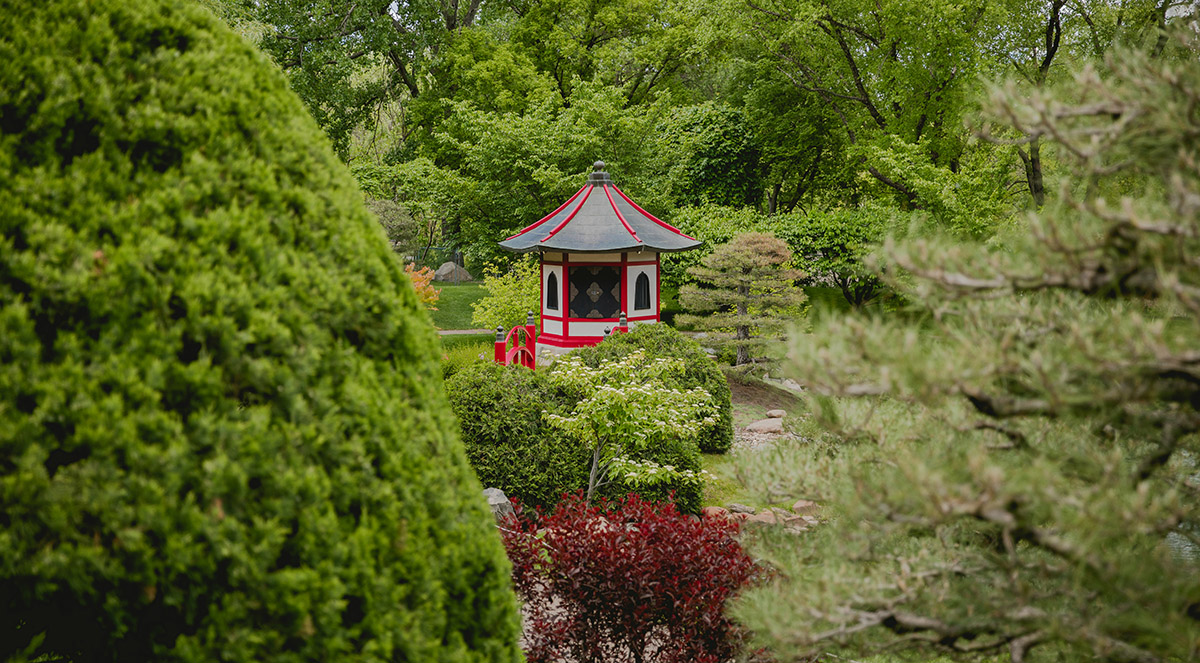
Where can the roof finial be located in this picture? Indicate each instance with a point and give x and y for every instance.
(598, 166)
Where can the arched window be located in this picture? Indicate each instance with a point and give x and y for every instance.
(552, 292)
(641, 292)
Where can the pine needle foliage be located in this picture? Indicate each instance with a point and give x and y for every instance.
(1011, 472)
(223, 435)
(750, 288)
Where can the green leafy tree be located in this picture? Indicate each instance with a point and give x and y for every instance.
(751, 292)
(632, 46)
(512, 293)
(830, 248)
(1011, 471)
(713, 156)
(223, 431)
(625, 413)
(881, 70)
(345, 58)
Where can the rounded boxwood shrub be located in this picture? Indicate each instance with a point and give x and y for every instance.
(223, 435)
(661, 340)
(507, 439)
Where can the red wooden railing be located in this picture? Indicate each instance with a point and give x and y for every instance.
(524, 344)
(523, 341)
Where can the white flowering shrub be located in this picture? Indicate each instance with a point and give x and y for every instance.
(635, 425)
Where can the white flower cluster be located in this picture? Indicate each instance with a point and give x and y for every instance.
(648, 472)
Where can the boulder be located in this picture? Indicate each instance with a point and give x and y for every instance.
(776, 414)
(766, 517)
(715, 512)
(805, 507)
(766, 426)
(498, 501)
(450, 271)
(740, 508)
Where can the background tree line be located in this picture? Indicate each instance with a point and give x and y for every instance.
(478, 117)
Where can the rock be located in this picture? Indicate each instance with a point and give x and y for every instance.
(715, 512)
(496, 499)
(740, 508)
(450, 271)
(805, 507)
(775, 414)
(766, 426)
(766, 517)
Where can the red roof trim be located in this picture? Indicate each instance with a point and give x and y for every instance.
(570, 216)
(619, 215)
(543, 219)
(653, 218)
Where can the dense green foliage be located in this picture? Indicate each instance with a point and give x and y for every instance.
(223, 435)
(827, 247)
(458, 356)
(512, 294)
(698, 371)
(1010, 471)
(510, 441)
(482, 117)
(510, 445)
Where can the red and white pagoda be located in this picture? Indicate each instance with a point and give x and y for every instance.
(599, 263)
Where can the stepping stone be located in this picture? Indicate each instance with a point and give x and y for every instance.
(766, 426)
(805, 507)
(776, 414)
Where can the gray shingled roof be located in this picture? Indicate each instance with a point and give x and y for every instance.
(599, 218)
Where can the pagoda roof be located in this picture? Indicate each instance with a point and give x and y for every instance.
(599, 218)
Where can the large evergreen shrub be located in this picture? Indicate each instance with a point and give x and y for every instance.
(699, 371)
(222, 430)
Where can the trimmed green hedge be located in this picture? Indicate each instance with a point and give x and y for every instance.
(661, 340)
(223, 435)
(508, 442)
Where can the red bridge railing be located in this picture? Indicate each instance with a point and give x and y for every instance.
(519, 345)
(524, 344)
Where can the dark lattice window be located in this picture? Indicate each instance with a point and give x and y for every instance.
(552, 292)
(641, 292)
(595, 292)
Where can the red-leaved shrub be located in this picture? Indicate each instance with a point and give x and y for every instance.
(626, 580)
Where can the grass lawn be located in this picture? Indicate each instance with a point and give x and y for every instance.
(722, 487)
(751, 400)
(454, 305)
(484, 341)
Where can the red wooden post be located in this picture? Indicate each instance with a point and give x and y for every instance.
(530, 338)
(499, 356)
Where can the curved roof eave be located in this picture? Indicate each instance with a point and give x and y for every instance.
(601, 221)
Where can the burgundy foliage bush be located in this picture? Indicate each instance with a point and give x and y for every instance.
(626, 580)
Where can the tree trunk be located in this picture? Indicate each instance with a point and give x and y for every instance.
(773, 199)
(743, 331)
(1033, 171)
(594, 476)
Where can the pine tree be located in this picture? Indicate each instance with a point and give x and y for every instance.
(751, 289)
(1012, 468)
